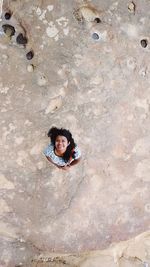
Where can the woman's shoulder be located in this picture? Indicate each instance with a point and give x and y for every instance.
(49, 149)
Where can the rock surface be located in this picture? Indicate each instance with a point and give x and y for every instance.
(99, 89)
(131, 253)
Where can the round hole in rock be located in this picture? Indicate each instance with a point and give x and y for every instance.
(144, 43)
(7, 15)
(95, 36)
(8, 30)
(21, 39)
(30, 55)
(97, 20)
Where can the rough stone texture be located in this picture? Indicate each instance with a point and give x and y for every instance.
(100, 90)
(131, 253)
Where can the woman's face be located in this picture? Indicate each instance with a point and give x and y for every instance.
(61, 143)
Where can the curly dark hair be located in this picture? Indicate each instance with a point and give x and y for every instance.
(54, 132)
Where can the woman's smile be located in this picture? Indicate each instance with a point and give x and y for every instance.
(61, 144)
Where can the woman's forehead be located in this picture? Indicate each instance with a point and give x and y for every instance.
(61, 137)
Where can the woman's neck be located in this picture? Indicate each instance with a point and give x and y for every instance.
(60, 154)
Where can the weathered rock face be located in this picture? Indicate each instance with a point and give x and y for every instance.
(131, 253)
(85, 67)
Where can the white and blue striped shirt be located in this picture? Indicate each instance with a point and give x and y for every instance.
(50, 152)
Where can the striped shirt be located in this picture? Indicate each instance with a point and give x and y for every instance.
(50, 152)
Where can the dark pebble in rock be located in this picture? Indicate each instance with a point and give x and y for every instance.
(7, 15)
(8, 29)
(97, 20)
(21, 39)
(30, 55)
(95, 36)
(144, 43)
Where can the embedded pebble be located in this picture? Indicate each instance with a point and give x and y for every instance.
(131, 7)
(42, 80)
(88, 13)
(143, 72)
(30, 68)
(52, 31)
(50, 7)
(95, 36)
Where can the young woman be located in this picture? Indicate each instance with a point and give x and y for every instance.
(62, 151)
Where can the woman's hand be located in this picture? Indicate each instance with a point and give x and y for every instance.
(67, 167)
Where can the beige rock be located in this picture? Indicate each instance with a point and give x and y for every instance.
(131, 7)
(41, 80)
(99, 91)
(87, 13)
(53, 105)
(4, 183)
(30, 68)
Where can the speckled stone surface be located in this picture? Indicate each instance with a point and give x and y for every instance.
(99, 89)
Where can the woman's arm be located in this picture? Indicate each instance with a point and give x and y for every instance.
(71, 164)
(75, 161)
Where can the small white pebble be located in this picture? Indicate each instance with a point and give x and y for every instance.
(50, 7)
(30, 68)
(41, 80)
(131, 7)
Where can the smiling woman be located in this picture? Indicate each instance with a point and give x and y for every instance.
(62, 151)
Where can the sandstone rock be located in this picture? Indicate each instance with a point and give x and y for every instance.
(54, 104)
(87, 13)
(41, 80)
(131, 7)
(94, 89)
